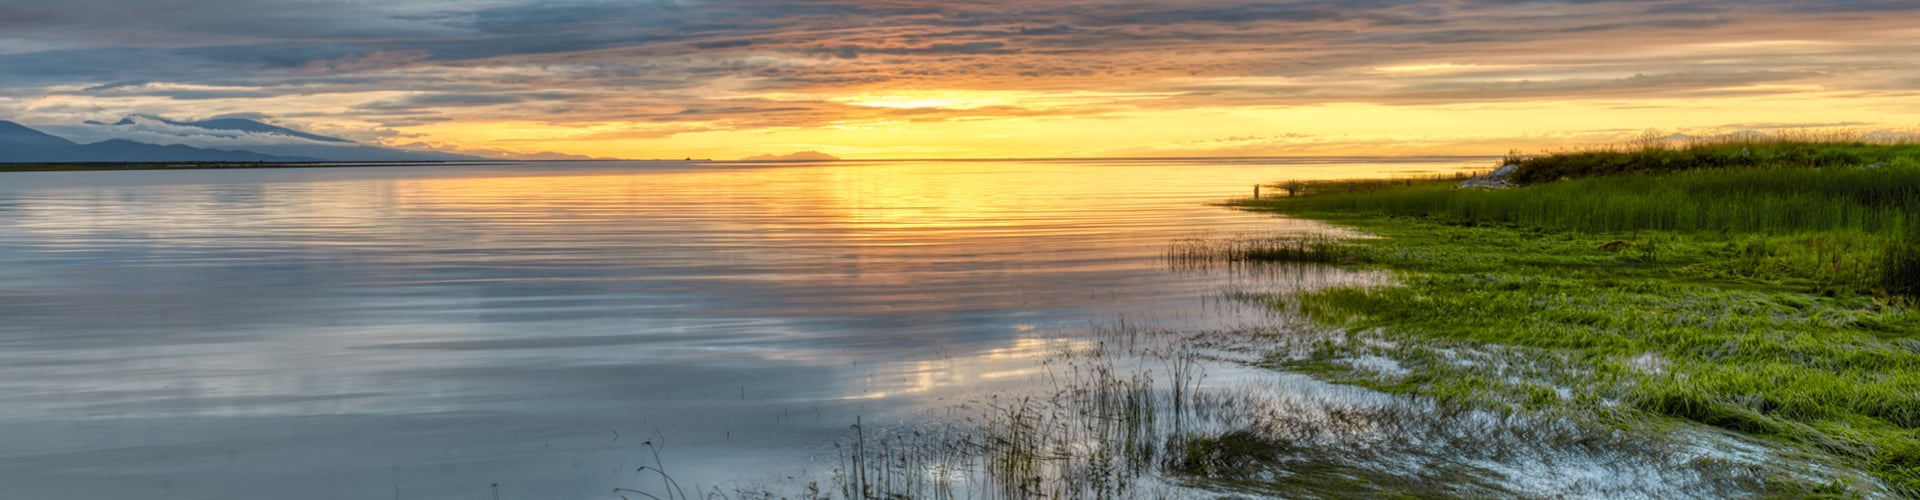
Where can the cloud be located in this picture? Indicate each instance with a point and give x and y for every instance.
(432, 101)
(154, 130)
(736, 64)
(495, 153)
(1793, 125)
(968, 48)
(175, 92)
(115, 86)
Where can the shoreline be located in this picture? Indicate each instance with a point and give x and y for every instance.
(1479, 339)
(113, 166)
(1764, 304)
(96, 167)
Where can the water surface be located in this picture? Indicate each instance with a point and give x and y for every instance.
(426, 332)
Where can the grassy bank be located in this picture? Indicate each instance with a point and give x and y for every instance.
(1764, 289)
(1654, 153)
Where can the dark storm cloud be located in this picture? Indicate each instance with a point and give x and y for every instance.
(97, 67)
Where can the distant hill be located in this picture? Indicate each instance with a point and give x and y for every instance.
(20, 144)
(122, 150)
(282, 141)
(359, 152)
(14, 135)
(800, 156)
(134, 138)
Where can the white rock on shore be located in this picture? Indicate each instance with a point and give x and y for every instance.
(1497, 179)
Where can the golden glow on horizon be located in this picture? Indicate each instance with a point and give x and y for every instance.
(910, 102)
(975, 99)
(1488, 128)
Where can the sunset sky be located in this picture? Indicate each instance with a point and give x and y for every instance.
(986, 78)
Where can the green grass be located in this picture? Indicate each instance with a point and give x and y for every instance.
(1205, 253)
(1771, 200)
(1654, 154)
(1900, 265)
(1773, 300)
(1842, 230)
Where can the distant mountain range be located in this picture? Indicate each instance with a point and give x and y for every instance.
(19, 144)
(262, 143)
(232, 124)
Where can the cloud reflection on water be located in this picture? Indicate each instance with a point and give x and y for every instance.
(357, 332)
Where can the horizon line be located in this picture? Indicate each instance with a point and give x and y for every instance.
(1032, 158)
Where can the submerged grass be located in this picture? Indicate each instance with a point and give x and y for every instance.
(1131, 417)
(1099, 431)
(1207, 253)
(1770, 298)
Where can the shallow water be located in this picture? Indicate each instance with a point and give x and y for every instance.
(426, 332)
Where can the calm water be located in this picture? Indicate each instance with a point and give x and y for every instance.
(424, 332)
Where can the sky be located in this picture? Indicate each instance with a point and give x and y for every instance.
(726, 79)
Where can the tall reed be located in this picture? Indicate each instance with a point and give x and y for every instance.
(1770, 200)
(1658, 153)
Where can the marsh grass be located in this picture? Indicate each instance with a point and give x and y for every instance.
(1297, 188)
(1770, 298)
(1771, 200)
(1837, 381)
(1720, 331)
(1131, 412)
(1096, 433)
(1900, 264)
(1655, 152)
(1204, 253)
(1840, 227)
(1136, 414)
(925, 462)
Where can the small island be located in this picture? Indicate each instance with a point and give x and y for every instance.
(798, 156)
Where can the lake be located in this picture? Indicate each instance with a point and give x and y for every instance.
(540, 330)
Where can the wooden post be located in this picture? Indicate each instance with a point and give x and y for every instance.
(1256, 191)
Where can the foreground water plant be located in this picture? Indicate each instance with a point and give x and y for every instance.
(1131, 414)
